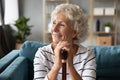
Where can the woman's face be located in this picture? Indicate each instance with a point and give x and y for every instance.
(61, 29)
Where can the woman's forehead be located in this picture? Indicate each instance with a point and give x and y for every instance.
(61, 17)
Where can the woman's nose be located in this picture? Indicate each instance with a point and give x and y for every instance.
(55, 28)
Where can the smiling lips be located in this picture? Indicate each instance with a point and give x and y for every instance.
(56, 35)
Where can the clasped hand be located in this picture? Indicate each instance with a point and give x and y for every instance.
(68, 47)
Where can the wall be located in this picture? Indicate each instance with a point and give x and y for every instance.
(33, 10)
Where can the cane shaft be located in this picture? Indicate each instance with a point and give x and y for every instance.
(64, 55)
(63, 71)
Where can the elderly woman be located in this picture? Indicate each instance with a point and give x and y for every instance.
(68, 29)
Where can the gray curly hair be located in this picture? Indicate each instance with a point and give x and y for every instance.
(75, 14)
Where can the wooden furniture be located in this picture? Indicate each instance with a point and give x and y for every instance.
(48, 7)
(104, 40)
(105, 11)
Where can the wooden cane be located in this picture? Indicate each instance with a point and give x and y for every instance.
(64, 55)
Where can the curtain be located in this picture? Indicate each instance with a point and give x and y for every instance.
(9, 13)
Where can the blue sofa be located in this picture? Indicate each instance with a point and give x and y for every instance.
(18, 64)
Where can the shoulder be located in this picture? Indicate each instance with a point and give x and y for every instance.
(46, 48)
(87, 55)
(44, 51)
(85, 51)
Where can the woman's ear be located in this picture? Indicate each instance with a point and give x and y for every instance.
(74, 33)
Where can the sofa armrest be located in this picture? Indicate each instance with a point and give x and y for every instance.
(6, 60)
(17, 70)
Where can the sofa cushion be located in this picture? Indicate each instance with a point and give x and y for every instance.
(6, 60)
(109, 72)
(29, 49)
(17, 70)
(108, 78)
(107, 56)
(108, 62)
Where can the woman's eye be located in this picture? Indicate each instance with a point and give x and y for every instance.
(59, 24)
(62, 24)
(54, 23)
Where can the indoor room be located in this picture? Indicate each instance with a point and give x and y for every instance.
(28, 26)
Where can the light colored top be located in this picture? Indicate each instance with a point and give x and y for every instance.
(84, 63)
